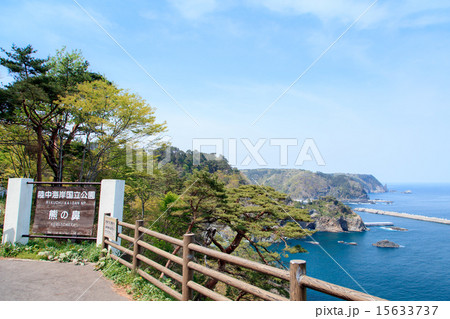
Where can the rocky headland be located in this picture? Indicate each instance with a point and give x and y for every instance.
(336, 224)
(330, 215)
(306, 185)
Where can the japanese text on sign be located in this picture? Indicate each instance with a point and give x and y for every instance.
(65, 210)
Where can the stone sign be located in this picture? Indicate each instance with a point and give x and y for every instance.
(64, 210)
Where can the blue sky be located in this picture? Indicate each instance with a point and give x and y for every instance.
(376, 102)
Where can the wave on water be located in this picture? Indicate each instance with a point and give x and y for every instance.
(388, 229)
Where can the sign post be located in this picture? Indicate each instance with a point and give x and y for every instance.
(110, 228)
(64, 210)
(111, 202)
(60, 210)
(17, 211)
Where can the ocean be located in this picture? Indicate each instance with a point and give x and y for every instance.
(418, 270)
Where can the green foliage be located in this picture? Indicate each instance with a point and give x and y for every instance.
(31, 101)
(302, 184)
(204, 197)
(108, 117)
(57, 111)
(2, 212)
(17, 154)
(183, 162)
(327, 206)
(261, 216)
(47, 249)
(135, 285)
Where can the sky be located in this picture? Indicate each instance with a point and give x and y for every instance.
(334, 86)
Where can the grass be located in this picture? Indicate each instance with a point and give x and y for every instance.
(134, 284)
(80, 254)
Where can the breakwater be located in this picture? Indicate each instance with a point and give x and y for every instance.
(403, 215)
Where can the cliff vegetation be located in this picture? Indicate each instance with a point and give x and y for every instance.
(303, 184)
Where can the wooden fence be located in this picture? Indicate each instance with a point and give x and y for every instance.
(296, 276)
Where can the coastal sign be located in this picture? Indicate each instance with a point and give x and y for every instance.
(110, 230)
(64, 210)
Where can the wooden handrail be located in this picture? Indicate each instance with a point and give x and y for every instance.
(268, 270)
(336, 291)
(159, 284)
(160, 252)
(127, 238)
(118, 247)
(120, 260)
(160, 268)
(126, 225)
(261, 293)
(296, 275)
(207, 292)
(163, 237)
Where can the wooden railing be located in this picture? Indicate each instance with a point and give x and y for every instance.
(296, 276)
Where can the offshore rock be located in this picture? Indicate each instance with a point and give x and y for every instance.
(351, 222)
(386, 244)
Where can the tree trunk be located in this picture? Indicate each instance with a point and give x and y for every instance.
(86, 145)
(61, 158)
(39, 151)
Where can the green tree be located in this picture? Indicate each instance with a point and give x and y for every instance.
(108, 117)
(67, 70)
(144, 186)
(259, 216)
(28, 101)
(17, 152)
(31, 101)
(204, 196)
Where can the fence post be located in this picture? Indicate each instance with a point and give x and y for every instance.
(297, 269)
(186, 292)
(136, 247)
(103, 244)
(17, 211)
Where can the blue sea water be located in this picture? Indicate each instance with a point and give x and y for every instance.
(419, 270)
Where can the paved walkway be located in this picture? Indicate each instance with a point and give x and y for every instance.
(42, 280)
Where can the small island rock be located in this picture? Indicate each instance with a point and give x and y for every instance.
(386, 244)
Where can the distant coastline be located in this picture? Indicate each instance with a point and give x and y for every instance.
(403, 215)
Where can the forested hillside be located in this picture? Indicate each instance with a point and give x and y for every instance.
(302, 184)
(185, 164)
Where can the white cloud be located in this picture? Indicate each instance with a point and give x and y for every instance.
(49, 20)
(415, 13)
(393, 14)
(194, 9)
(324, 9)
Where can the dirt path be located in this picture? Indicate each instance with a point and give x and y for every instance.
(41, 280)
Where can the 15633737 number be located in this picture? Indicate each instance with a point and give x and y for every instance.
(406, 310)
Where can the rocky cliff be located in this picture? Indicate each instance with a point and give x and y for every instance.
(337, 224)
(303, 184)
(330, 215)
